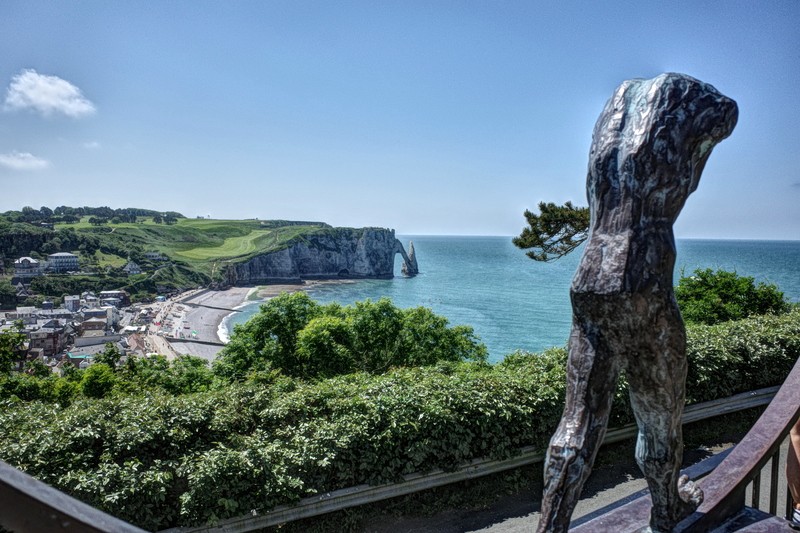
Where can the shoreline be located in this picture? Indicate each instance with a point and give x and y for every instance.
(211, 311)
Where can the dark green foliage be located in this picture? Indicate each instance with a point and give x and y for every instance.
(8, 295)
(19, 239)
(36, 368)
(710, 297)
(98, 380)
(738, 356)
(269, 338)
(10, 344)
(64, 213)
(59, 285)
(183, 375)
(159, 460)
(110, 356)
(323, 347)
(301, 338)
(26, 388)
(554, 232)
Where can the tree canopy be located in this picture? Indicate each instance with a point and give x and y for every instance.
(10, 343)
(297, 336)
(710, 297)
(554, 232)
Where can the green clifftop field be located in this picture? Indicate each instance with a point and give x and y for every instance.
(202, 244)
(194, 251)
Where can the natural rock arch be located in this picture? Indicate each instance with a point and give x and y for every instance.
(410, 267)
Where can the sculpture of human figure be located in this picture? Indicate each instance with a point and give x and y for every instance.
(649, 147)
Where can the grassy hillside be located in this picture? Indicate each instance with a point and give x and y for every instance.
(199, 244)
(196, 250)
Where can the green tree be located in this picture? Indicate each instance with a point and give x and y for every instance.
(429, 339)
(65, 390)
(8, 295)
(269, 338)
(302, 339)
(184, 375)
(710, 297)
(188, 374)
(377, 335)
(37, 369)
(554, 232)
(145, 372)
(11, 342)
(110, 356)
(70, 372)
(324, 348)
(97, 381)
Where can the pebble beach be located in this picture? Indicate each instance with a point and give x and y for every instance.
(206, 310)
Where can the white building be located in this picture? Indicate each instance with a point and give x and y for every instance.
(62, 262)
(27, 267)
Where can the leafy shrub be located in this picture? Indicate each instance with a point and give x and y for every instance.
(301, 338)
(98, 380)
(160, 460)
(711, 297)
(739, 356)
(183, 375)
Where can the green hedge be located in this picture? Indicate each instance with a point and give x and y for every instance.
(733, 357)
(159, 460)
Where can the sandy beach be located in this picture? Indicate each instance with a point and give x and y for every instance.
(204, 311)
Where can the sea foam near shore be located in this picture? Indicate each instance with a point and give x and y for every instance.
(224, 328)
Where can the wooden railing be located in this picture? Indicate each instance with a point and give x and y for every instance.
(339, 500)
(725, 486)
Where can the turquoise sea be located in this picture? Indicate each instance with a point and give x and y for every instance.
(515, 303)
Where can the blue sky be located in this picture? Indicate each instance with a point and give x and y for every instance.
(427, 117)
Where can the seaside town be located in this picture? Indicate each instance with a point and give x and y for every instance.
(85, 324)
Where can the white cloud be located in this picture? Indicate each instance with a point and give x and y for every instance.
(91, 145)
(23, 161)
(46, 94)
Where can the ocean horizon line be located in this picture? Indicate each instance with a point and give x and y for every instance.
(468, 236)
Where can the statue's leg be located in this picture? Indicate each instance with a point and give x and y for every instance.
(592, 374)
(657, 377)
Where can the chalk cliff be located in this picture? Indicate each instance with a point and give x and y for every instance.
(326, 254)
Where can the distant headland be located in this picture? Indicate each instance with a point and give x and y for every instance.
(50, 252)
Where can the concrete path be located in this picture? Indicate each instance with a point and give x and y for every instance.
(519, 513)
